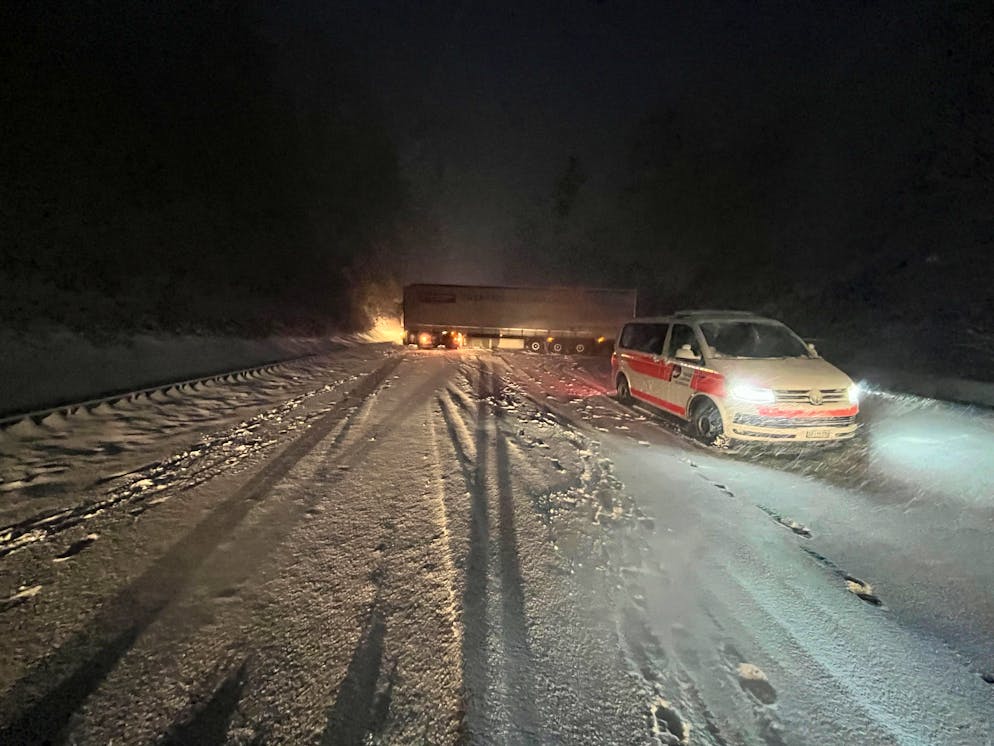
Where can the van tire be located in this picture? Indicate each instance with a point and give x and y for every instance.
(624, 390)
(705, 422)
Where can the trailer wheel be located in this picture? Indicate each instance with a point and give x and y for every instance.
(535, 345)
(557, 347)
(579, 348)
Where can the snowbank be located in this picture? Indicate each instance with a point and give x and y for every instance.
(60, 366)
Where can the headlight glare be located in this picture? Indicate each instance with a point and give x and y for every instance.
(750, 393)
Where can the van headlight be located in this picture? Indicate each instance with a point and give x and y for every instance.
(854, 393)
(755, 394)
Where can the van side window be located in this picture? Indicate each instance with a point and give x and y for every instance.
(628, 335)
(683, 335)
(644, 338)
(654, 338)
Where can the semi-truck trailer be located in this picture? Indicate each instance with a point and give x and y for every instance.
(540, 319)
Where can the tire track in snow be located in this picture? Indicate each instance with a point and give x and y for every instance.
(485, 465)
(357, 707)
(859, 588)
(193, 466)
(677, 712)
(597, 488)
(840, 468)
(413, 578)
(67, 456)
(38, 710)
(519, 662)
(442, 518)
(591, 496)
(475, 665)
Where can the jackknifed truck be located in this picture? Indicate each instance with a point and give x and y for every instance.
(540, 319)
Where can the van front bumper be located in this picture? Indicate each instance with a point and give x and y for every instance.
(810, 428)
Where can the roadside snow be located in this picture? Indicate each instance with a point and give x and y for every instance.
(61, 366)
(75, 461)
(944, 388)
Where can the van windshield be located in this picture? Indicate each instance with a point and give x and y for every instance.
(752, 339)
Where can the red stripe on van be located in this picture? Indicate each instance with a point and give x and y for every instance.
(776, 412)
(708, 383)
(643, 364)
(661, 403)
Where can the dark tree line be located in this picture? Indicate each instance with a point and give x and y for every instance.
(184, 164)
(852, 197)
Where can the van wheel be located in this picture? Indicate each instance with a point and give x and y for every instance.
(579, 348)
(535, 345)
(624, 390)
(557, 347)
(705, 422)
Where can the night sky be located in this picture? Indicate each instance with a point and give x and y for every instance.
(823, 162)
(488, 104)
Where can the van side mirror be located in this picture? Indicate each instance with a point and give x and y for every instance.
(686, 353)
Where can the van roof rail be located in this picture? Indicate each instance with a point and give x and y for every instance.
(713, 312)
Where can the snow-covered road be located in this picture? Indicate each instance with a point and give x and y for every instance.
(392, 546)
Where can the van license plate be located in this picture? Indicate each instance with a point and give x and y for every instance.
(819, 434)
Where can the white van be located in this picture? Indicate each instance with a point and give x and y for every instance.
(734, 376)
